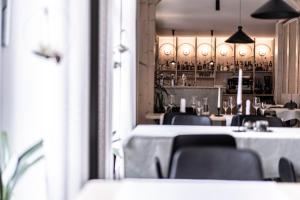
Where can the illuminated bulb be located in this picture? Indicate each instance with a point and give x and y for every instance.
(186, 51)
(204, 50)
(262, 50)
(243, 52)
(223, 51)
(167, 51)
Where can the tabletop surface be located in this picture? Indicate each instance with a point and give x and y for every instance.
(172, 130)
(188, 190)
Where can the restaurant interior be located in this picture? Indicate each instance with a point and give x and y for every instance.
(149, 99)
(217, 102)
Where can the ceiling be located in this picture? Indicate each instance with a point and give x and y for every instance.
(189, 17)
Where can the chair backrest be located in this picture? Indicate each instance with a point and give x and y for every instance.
(188, 110)
(216, 163)
(169, 116)
(187, 141)
(191, 120)
(286, 170)
(273, 121)
(239, 120)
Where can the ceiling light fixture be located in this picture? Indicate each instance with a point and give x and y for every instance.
(173, 62)
(240, 36)
(275, 9)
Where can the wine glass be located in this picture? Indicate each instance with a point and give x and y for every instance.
(256, 104)
(194, 102)
(225, 106)
(231, 104)
(172, 101)
(166, 105)
(263, 107)
(205, 106)
(199, 108)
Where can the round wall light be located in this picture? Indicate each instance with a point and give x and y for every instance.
(223, 50)
(186, 51)
(205, 49)
(263, 50)
(167, 51)
(244, 50)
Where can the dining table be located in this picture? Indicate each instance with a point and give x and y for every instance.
(286, 114)
(146, 142)
(133, 189)
(216, 120)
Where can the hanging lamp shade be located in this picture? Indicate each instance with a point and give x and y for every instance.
(240, 37)
(275, 9)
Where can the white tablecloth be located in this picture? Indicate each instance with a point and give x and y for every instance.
(147, 141)
(188, 190)
(285, 114)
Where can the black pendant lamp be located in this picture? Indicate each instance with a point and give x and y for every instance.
(240, 36)
(275, 9)
(173, 62)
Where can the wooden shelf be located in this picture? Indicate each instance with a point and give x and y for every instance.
(186, 71)
(205, 77)
(264, 95)
(226, 72)
(263, 72)
(161, 71)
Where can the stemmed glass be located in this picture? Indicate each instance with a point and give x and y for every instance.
(263, 107)
(194, 103)
(225, 106)
(256, 104)
(199, 108)
(166, 106)
(231, 104)
(172, 101)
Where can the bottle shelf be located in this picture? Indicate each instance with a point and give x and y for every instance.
(270, 72)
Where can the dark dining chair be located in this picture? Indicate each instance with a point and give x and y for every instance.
(202, 140)
(216, 163)
(169, 116)
(188, 110)
(286, 171)
(239, 120)
(191, 120)
(293, 122)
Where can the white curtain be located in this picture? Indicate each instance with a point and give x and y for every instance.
(124, 71)
(43, 99)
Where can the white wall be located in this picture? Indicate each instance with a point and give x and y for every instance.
(42, 99)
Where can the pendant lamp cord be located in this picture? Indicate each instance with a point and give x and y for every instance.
(211, 43)
(174, 45)
(240, 13)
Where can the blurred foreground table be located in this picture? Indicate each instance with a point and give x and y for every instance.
(188, 190)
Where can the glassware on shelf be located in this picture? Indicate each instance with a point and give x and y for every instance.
(225, 106)
(231, 104)
(172, 80)
(256, 104)
(161, 80)
(183, 77)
